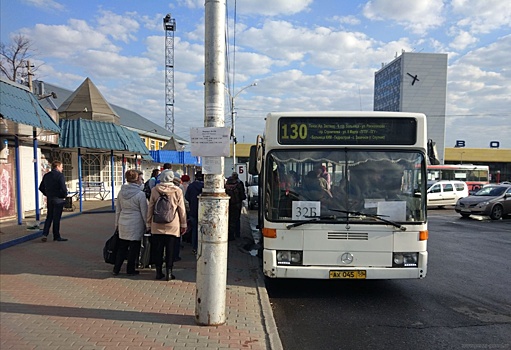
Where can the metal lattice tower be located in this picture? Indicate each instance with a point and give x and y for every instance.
(169, 25)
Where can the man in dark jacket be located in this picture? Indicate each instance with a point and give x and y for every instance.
(53, 186)
(236, 190)
(192, 193)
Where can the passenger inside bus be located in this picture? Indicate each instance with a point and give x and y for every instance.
(368, 183)
(315, 186)
(359, 184)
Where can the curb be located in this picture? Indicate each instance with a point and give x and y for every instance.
(269, 324)
(267, 315)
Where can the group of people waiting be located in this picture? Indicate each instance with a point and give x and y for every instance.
(135, 216)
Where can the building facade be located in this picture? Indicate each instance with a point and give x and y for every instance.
(415, 82)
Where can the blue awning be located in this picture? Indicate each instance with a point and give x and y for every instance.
(19, 106)
(175, 157)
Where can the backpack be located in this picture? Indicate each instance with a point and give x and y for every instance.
(234, 191)
(147, 189)
(163, 212)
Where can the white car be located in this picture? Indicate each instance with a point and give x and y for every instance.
(446, 193)
(253, 192)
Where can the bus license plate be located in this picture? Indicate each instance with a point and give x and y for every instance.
(356, 274)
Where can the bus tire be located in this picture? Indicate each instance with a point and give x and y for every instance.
(496, 212)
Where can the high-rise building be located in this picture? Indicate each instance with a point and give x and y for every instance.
(415, 82)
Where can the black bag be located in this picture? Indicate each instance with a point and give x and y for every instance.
(147, 189)
(110, 248)
(146, 256)
(163, 211)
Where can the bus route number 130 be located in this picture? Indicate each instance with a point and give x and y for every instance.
(293, 131)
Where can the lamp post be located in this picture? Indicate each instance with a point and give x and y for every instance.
(233, 122)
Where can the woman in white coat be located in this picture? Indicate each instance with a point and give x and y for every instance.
(130, 219)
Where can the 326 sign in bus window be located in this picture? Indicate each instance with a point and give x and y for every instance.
(347, 131)
(305, 210)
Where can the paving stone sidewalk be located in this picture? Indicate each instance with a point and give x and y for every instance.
(61, 295)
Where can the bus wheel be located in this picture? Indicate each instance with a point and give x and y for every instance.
(496, 212)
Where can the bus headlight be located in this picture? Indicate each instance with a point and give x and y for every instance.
(405, 260)
(289, 257)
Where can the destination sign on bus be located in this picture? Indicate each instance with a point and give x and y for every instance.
(347, 131)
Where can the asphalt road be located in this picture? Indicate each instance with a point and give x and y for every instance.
(463, 303)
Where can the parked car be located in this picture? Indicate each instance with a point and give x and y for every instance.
(446, 193)
(493, 201)
(253, 192)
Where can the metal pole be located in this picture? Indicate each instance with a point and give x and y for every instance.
(233, 122)
(211, 284)
(36, 176)
(80, 180)
(112, 178)
(18, 179)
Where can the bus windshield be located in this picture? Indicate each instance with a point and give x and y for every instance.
(345, 184)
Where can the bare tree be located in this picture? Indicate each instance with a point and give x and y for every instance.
(14, 57)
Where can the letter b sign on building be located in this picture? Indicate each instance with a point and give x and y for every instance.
(241, 169)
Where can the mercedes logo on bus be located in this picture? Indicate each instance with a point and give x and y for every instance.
(347, 258)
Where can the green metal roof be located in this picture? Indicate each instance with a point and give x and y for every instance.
(82, 133)
(19, 105)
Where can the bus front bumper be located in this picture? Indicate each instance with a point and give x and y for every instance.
(272, 270)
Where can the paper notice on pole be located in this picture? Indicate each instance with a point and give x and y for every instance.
(210, 142)
(212, 165)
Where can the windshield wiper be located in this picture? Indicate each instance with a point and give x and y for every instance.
(312, 219)
(379, 217)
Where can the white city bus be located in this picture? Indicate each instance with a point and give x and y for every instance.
(342, 195)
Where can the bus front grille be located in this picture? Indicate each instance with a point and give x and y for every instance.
(348, 236)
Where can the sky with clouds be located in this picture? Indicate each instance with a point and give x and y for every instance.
(303, 54)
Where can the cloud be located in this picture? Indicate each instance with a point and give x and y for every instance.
(273, 7)
(114, 66)
(479, 94)
(257, 7)
(48, 5)
(462, 39)
(320, 46)
(351, 20)
(65, 41)
(417, 16)
(482, 16)
(118, 26)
